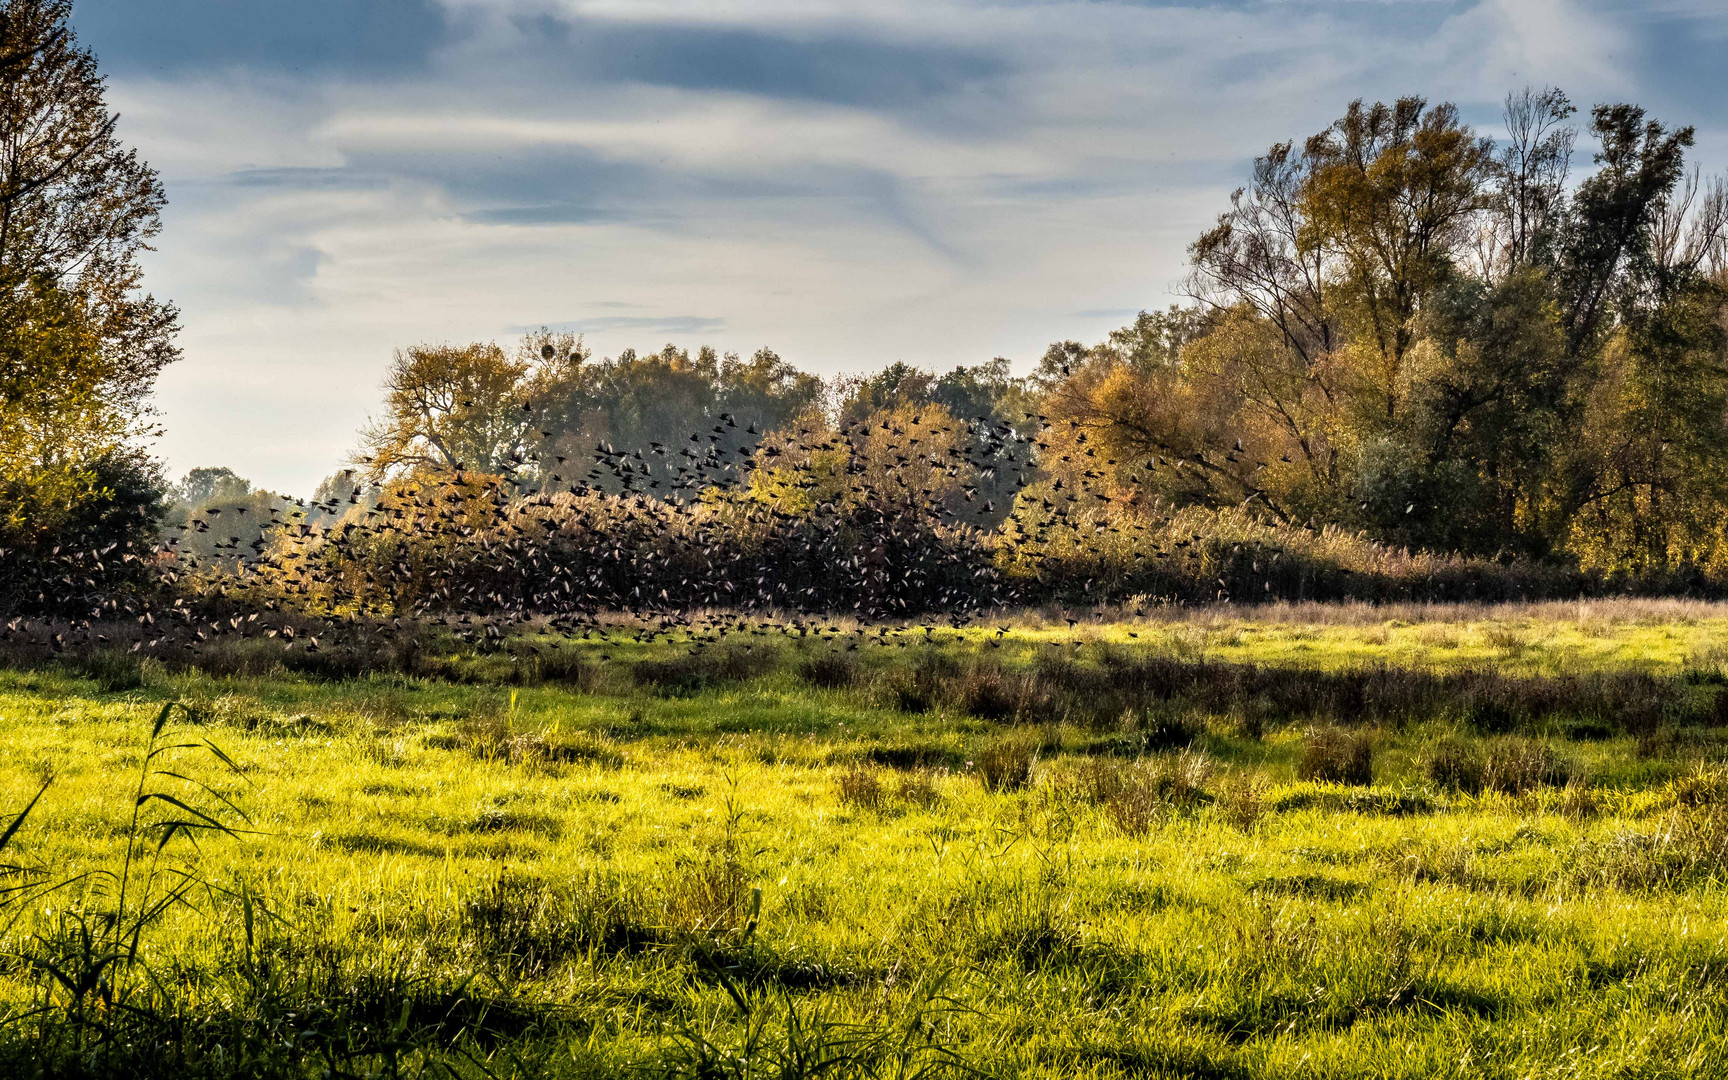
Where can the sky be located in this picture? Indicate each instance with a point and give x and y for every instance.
(935, 181)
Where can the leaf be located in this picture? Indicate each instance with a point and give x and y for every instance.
(161, 719)
(17, 822)
(225, 759)
(210, 791)
(156, 750)
(162, 796)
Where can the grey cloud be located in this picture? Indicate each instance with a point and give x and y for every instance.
(574, 185)
(306, 179)
(263, 270)
(834, 68)
(547, 214)
(368, 37)
(671, 324)
(1690, 55)
(526, 186)
(292, 272)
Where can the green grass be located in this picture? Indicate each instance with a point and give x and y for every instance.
(536, 880)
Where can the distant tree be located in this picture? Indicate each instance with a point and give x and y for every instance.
(219, 520)
(202, 487)
(449, 409)
(765, 391)
(895, 385)
(649, 406)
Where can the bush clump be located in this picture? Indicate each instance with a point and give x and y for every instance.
(861, 788)
(1456, 764)
(1007, 763)
(1514, 765)
(1135, 794)
(1332, 755)
(829, 671)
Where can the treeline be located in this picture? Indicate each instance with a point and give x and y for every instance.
(1399, 327)
(1415, 363)
(1406, 328)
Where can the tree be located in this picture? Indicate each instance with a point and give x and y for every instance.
(80, 344)
(1608, 228)
(895, 385)
(1531, 168)
(77, 207)
(1411, 330)
(219, 520)
(449, 409)
(1396, 189)
(205, 486)
(765, 391)
(1650, 475)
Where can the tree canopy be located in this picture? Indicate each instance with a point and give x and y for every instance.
(81, 344)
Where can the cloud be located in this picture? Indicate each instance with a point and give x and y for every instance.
(667, 324)
(545, 214)
(1511, 43)
(859, 70)
(305, 179)
(370, 38)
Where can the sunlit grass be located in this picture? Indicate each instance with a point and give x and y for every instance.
(594, 854)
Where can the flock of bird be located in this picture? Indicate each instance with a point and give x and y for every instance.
(881, 524)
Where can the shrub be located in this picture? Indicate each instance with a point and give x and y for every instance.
(917, 687)
(1515, 765)
(917, 756)
(1135, 794)
(918, 789)
(683, 676)
(1006, 764)
(111, 670)
(560, 748)
(527, 924)
(77, 537)
(1705, 785)
(1334, 756)
(1243, 803)
(829, 671)
(1161, 730)
(709, 895)
(1456, 764)
(1251, 718)
(982, 690)
(861, 788)
(566, 667)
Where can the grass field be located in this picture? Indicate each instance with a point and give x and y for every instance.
(1455, 842)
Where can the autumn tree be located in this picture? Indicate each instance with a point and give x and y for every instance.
(81, 344)
(449, 409)
(1405, 327)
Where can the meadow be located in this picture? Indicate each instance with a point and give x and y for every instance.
(1316, 841)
